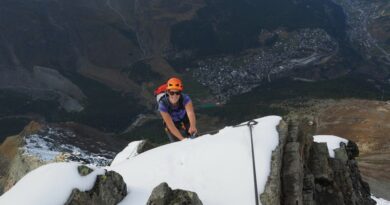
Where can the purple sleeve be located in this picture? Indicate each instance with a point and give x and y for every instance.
(161, 107)
(186, 100)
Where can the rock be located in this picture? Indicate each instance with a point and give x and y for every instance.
(272, 190)
(310, 176)
(292, 174)
(297, 187)
(308, 189)
(13, 163)
(302, 173)
(84, 170)
(352, 150)
(144, 146)
(32, 128)
(109, 189)
(341, 153)
(164, 195)
(318, 188)
(318, 161)
(19, 155)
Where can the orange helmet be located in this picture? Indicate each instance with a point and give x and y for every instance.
(174, 84)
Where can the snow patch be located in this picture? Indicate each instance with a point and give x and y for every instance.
(217, 167)
(50, 184)
(380, 201)
(38, 146)
(333, 142)
(48, 147)
(127, 153)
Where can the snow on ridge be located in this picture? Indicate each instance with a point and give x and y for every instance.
(380, 201)
(49, 184)
(217, 167)
(47, 147)
(332, 142)
(37, 146)
(127, 153)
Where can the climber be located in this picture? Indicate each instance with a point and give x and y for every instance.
(176, 110)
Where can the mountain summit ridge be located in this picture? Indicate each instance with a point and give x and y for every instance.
(291, 168)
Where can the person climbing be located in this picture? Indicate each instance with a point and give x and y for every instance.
(177, 111)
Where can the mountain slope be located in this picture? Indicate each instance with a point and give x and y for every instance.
(55, 52)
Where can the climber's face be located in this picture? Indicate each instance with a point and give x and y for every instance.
(174, 96)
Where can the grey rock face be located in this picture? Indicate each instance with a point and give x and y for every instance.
(292, 174)
(341, 153)
(144, 146)
(352, 150)
(319, 161)
(44, 83)
(84, 170)
(309, 176)
(109, 189)
(164, 195)
(272, 190)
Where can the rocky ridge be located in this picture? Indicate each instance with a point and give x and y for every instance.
(109, 189)
(310, 176)
(364, 122)
(41, 143)
(164, 195)
(302, 172)
(14, 165)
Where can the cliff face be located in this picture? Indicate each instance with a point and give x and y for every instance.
(13, 164)
(303, 172)
(366, 123)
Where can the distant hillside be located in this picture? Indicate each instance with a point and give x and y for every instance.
(97, 62)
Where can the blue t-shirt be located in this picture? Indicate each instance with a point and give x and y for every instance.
(177, 113)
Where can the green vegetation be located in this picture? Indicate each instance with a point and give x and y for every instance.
(14, 105)
(259, 101)
(11, 126)
(128, 33)
(230, 26)
(17, 103)
(194, 89)
(141, 72)
(152, 130)
(106, 110)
